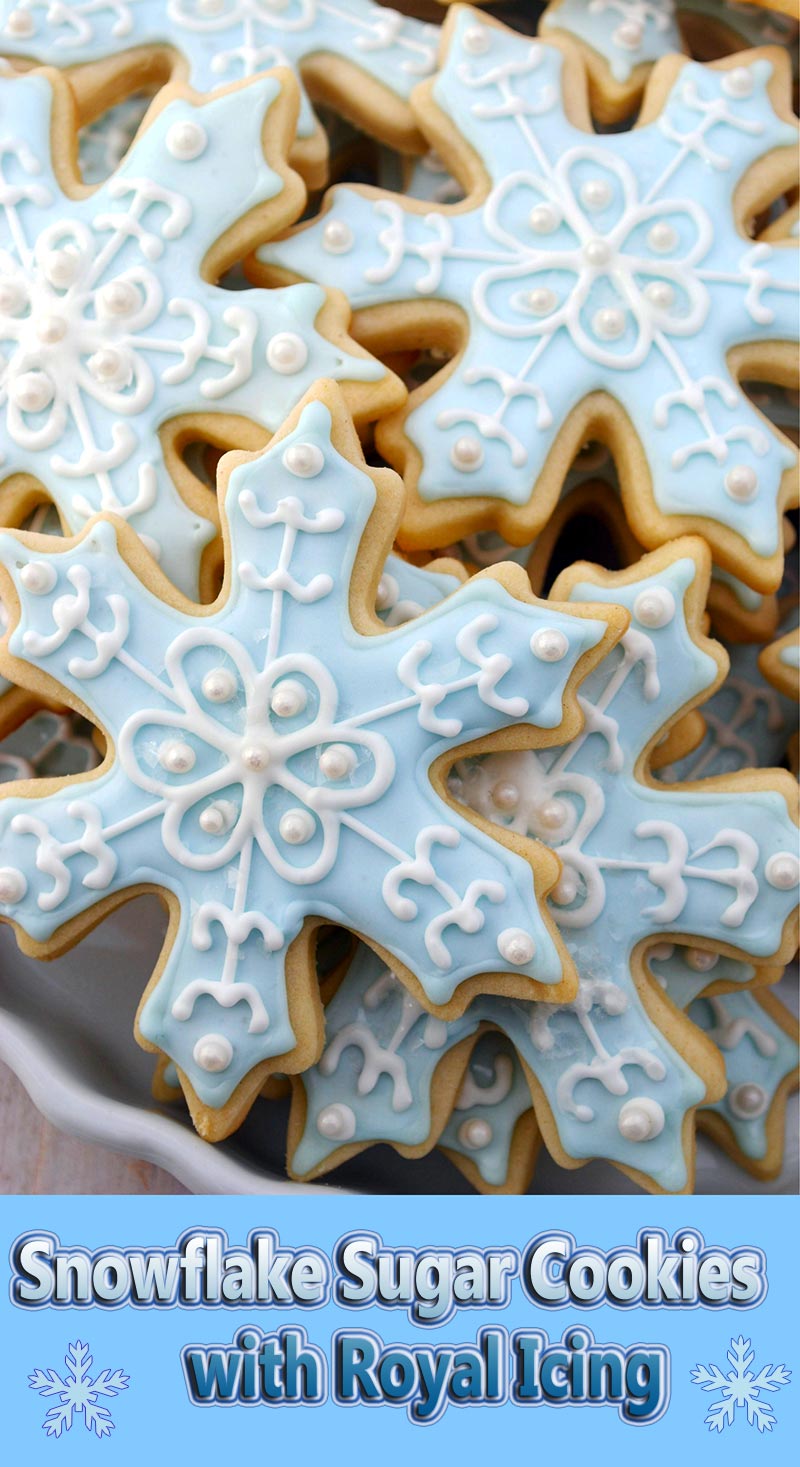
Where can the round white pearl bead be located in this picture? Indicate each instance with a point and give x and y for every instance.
(738, 82)
(553, 814)
(700, 960)
(32, 392)
(596, 194)
(176, 756)
(597, 252)
(12, 297)
(305, 460)
(61, 268)
(655, 607)
(466, 454)
(118, 298)
(662, 951)
(543, 219)
(476, 40)
(475, 1134)
(288, 699)
(660, 294)
(287, 353)
(566, 888)
(186, 141)
(505, 795)
(51, 329)
(783, 870)
(13, 885)
(609, 323)
(20, 23)
(336, 1123)
(337, 761)
(105, 365)
(216, 818)
(549, 645)
(255, 758)
(337, 237)
(219, 685)
(748, 1101)
(741, 483)
(641, 1119)
(296, 827)
(38, 577)
(541, 301)
(213, 1052)
(662, 237)
(516, 946)
(629, 35)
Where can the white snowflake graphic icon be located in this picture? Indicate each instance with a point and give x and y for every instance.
(741, 1388)
(78, 1393)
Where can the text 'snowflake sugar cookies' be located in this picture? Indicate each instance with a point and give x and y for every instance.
(593, 286)
(270, 761)
(116, 342)
(362, 59)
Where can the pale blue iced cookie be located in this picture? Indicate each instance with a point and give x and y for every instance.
(111, 329)
(270, 761)
(779, 663)
(757, 1037)
(492, 1134)
(363, 58)
(581, 263)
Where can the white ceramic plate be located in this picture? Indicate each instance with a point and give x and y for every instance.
(66, 1029)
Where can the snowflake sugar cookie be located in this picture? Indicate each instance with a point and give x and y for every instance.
(270, 761)
(362, 58)
(591, 287)
(492, 1136)
(116, 344)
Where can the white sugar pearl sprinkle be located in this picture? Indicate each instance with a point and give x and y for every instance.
(219, 685)
(186, 141)
(541, 301)
(13, 885)
(217, 818)
(654, 607)
(741, 483)
(747, 1101)
(305, 460)
(337, 761)
(641, 1119)
(783, 871)
(176, 756)
(288, 699)
(552, 814)
(543, 219)
(337, 237)
(629, 35)
(475, 1134)
(61, 268)
(516, 946)
(660, 293)
(476, 40)
(12, 297)
(549, 645)
(700, 960)
(738, 82)
(32, 392)
(20, 23)
(466, 454)
(662, 237)
(38, 577)
(566, 888)
(336, 1123)
(383, 595)
(609, 324)
(297, 827)
(287, 353)
(51, 329)
(597, 252)
(596, 194)
(662, 951)
(255, 758)
(505, 795)
(213, 1052)
(118, 298)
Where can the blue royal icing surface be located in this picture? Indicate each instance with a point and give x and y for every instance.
(222, 41)
(637, 863)
(259, 780)
(107, 329)
(593, 263)
(493, 1097)
(758, 1056)
(626, 33)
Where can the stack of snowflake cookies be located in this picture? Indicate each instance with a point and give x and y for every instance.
(396, 448)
